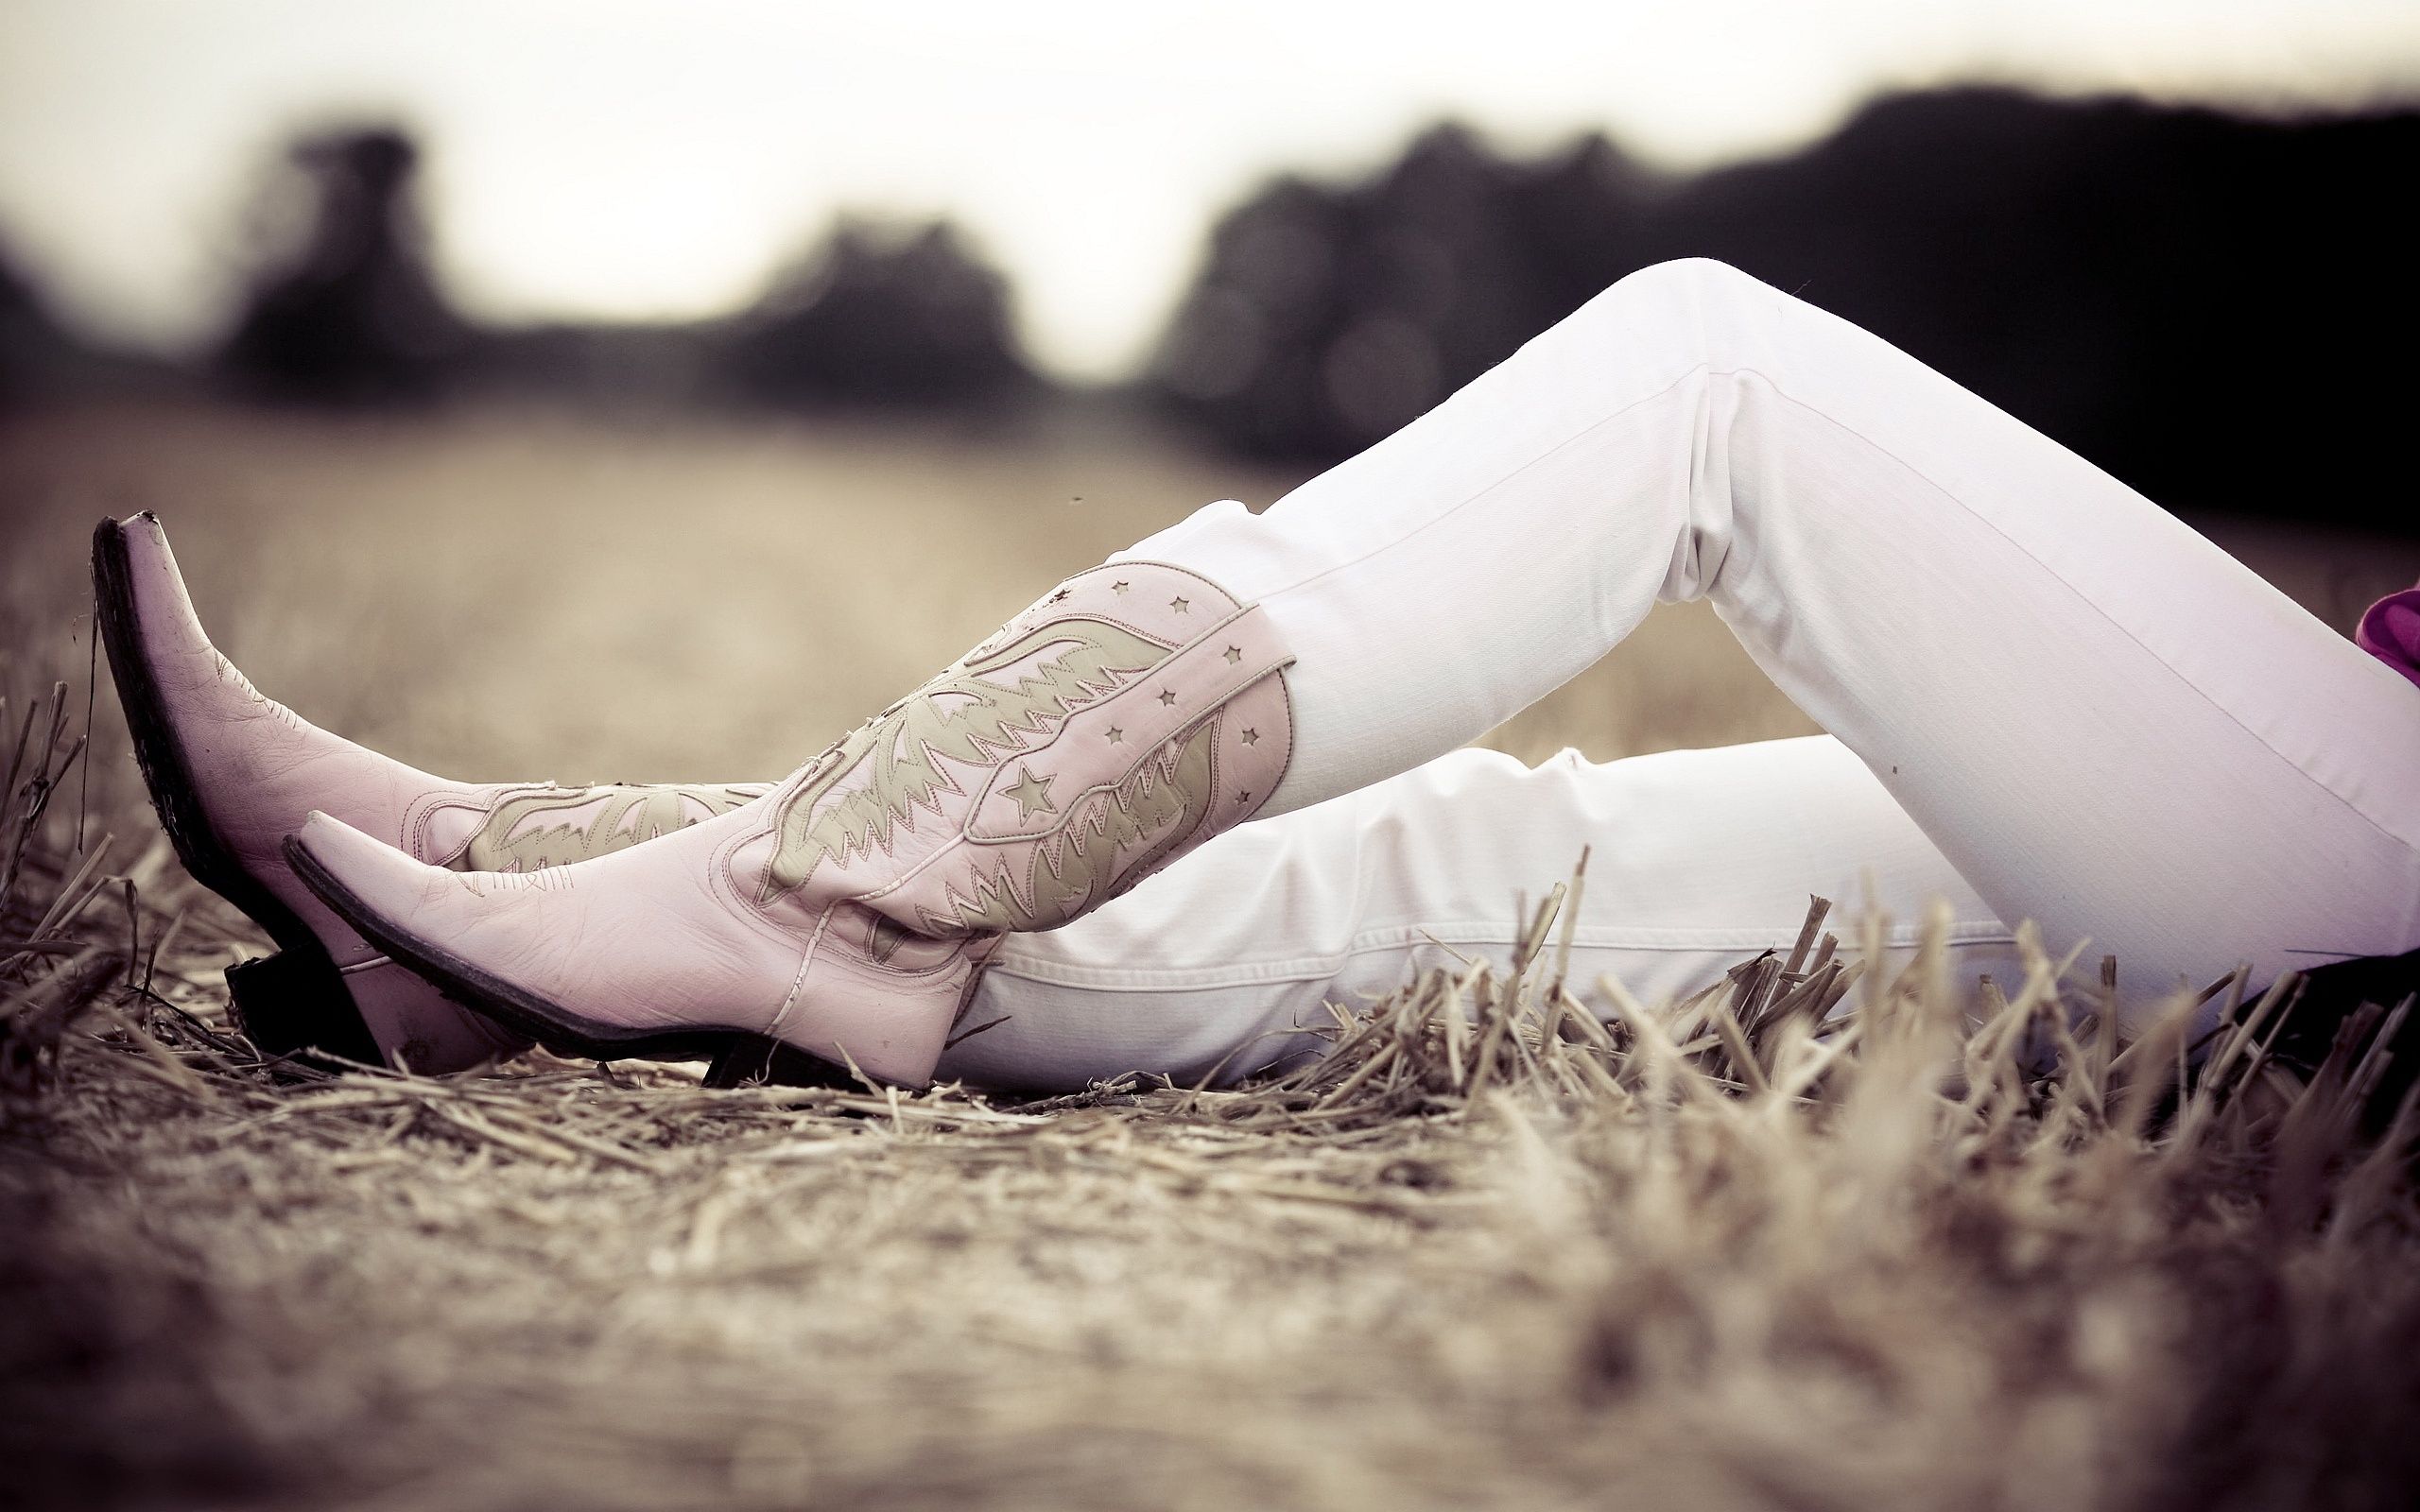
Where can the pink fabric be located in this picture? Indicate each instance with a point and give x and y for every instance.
(2391, 632)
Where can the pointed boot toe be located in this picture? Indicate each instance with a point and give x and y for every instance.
(201, 732)
(232, 773)
(641, 954)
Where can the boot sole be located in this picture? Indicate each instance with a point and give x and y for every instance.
(294, 1003)
(737, 1055)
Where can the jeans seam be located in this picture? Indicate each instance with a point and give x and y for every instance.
(1668, 940)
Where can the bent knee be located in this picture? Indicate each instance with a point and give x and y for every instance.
(1692, 311)
(1688, 307)
(1683, 275)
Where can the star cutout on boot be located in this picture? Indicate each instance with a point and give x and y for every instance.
(1120, 586)
(1167, 695)
(1032, 795)
(1181, 605)
(1116, 736)
(1235, 654)
(1251, 737)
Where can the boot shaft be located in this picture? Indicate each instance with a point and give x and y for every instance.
(1129, 714)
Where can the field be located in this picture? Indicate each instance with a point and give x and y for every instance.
(1489, 1255)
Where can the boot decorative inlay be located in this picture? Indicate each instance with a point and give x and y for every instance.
(967, 807)
(587, 822)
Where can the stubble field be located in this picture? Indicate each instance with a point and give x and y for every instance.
(1489, 1256)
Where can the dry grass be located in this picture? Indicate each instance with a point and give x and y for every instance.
(1491, 1251)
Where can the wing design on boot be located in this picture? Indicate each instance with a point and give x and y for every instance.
(593, 822)
(1009, 699)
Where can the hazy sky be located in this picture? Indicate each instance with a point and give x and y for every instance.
(621, 158)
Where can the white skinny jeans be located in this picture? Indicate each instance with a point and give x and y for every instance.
(2047, 699)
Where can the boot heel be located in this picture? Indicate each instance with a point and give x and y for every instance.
(747, 1060)
(292, 1004)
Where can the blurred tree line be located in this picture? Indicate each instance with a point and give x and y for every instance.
(2214, 308)
(2218, 310)
(351, 313)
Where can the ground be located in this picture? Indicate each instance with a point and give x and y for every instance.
(1488, 1255)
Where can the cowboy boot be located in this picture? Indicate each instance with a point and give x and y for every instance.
(1130, 714)
(232, 773)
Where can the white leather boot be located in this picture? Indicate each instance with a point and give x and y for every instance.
(1133, 712)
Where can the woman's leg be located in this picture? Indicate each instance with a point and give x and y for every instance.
(1698, 860)
(2102, 721)
(2105, 723)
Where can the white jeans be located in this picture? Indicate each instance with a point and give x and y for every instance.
(2036, 682)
